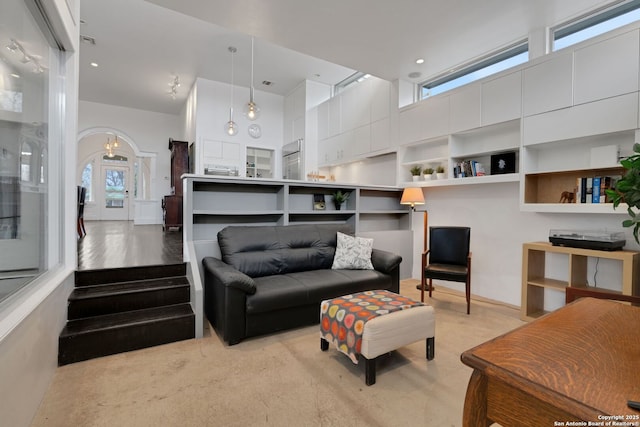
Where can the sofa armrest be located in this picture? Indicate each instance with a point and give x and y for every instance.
(226, 275)
(384, 261)
(225, 298)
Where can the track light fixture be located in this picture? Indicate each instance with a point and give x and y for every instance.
(174, 87)
(15, 47)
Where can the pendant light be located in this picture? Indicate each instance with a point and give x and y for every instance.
(251, 110)
(231, 127)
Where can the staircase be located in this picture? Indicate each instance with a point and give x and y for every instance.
(122, 309)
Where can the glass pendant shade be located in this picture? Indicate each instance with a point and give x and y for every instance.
(231, 127)
(251, 109)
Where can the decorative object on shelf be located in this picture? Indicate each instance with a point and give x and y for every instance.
(415, 172)
(503, 163)
(318, 202)
(412, 196)
(111, 146)
(627, 190)
(231, 127)
(251, 109)
(567, 197)
(255, 131)
(440, 172)
(428, 174)
(339, 197)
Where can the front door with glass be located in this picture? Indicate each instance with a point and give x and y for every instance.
(115, 205)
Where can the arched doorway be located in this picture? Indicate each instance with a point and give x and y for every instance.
(118, 180)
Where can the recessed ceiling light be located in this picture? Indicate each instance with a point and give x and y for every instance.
(420, 61)
(94, 64)
(14, 75)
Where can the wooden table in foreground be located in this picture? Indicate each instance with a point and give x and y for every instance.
(579, 363)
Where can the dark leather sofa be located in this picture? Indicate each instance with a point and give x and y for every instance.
(272, 278)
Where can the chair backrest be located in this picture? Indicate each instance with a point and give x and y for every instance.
(449, 245)
(82, 194)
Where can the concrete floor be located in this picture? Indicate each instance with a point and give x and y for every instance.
(281, 379)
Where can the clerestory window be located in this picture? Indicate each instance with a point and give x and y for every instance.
(498, 61)
(594, 24)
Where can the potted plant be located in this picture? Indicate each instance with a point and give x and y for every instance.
(428, 174)
(415, 172)
(627, 190)
(339, 197)
(440, 172)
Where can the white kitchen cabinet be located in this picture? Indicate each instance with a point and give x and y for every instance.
(381, 135)
(323, 121)
(548, 86)
(502, 99)
(335, 116)
(607, 68)
(361, 141)
(409, 124)
(355, 107)
(380, 99)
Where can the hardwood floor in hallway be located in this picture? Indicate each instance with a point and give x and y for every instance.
(113, 244)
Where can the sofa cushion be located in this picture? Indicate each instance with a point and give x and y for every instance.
(353, 253)
(284, 291)
(270, 250)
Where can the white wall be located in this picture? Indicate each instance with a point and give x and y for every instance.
(212, 113)
(498, 230)
(149, 131)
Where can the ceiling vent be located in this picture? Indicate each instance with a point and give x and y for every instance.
(87, 39)
(267, 83)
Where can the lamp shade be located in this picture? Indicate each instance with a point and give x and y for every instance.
(412, 197)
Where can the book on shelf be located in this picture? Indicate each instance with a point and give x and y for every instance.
(593, 189)
(467, 168)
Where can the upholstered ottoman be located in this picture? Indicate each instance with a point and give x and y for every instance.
(373, 323)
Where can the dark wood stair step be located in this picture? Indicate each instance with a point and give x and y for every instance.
(96, 300)
(125, 274)
(88, 338)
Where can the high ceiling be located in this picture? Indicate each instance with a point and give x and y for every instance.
(140, 46)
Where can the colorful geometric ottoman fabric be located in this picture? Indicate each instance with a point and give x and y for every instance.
(342, 319)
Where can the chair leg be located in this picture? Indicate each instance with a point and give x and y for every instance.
(468, 294)
(422, 289)
(324, 344)
(430, 287)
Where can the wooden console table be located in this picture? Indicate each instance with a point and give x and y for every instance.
(535, 280)
(578, 363)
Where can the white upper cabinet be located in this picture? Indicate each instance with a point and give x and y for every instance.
(380, 99)
(323, 121)
(435, 118)
(609, 115)
(502, 99)
(381, 135)
(607, 68)
(355, 106)
(335, 116)
(548, 86)
(465, 108)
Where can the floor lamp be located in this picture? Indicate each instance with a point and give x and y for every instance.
(414, 196)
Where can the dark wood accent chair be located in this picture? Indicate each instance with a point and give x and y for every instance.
(447, 258)
(82, 194)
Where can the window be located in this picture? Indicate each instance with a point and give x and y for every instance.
(29, 132)
(595, 24)
(87, 180)
(354, 78)
(494, 63)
